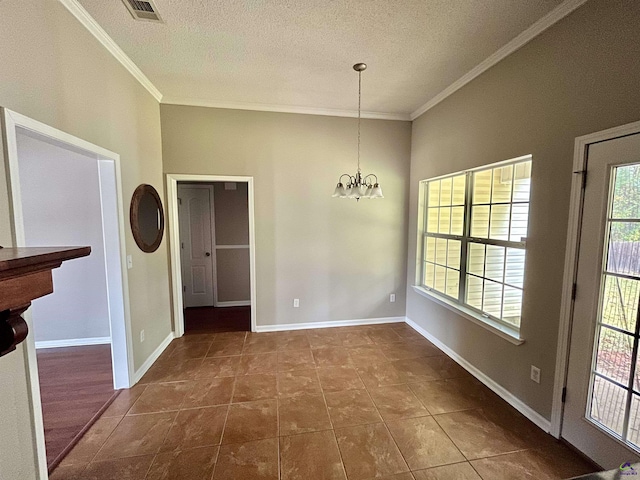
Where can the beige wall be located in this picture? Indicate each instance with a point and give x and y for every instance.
(578, 77)
(342, 259)
(233, 272)
(231, 214)
(54, 71)
(233, 277)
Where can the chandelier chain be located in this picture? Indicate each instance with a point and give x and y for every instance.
(359, 103)
(357, 186)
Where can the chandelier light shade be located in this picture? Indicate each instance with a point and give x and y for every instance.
(356, 186)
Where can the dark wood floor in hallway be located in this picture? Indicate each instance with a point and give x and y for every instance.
(75, 384)
(216, 320)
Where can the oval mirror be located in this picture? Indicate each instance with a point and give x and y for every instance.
(147, 218)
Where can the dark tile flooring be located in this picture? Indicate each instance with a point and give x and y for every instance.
(342, 403)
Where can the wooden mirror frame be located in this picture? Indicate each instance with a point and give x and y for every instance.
(138, 194)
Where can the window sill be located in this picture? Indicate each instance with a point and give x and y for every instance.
(502, 331)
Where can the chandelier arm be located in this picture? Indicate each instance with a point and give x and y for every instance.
(344, 175)
(371, 175)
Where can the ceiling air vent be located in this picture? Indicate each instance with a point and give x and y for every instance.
(143, 10)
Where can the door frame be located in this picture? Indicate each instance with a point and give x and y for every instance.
(174, 241)
(117, 277)
(581, 149)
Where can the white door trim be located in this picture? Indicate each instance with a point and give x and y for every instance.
(117, 282)
(174, 241)
(571, 261)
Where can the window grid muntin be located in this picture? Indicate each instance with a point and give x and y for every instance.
(450, 205)
(466, 238)
(629, 389)
(435, 262)
(491, 203)
(504, 269)
(492, 241)
(632, 337)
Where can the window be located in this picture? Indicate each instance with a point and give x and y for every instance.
(474, 238)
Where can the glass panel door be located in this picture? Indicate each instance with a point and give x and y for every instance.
(614, 387)
(602, 409)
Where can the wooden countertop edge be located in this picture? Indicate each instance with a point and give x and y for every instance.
(37, 258)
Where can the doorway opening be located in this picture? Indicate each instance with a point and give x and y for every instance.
(211, 228)
(65, 191)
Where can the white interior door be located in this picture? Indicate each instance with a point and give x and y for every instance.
(195, 209)
(602, 409)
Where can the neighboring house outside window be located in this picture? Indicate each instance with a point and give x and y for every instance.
(473, 239)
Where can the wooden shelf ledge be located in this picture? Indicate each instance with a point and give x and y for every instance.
(25, 274)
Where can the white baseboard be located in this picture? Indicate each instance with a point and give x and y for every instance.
(73, 342)
(239, 303)
(152, 358)
(335, 323)
(498, 389)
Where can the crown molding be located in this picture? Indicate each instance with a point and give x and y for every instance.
(557, 14)
(263, 107)
(107, 42)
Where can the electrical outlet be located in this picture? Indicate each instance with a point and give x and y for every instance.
(296, 302)
(535, 374)
(141, 336)
(129, 262)
(392, 298)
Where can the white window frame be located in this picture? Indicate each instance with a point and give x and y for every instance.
(458, 305)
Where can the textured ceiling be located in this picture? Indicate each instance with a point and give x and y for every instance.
(299, 53)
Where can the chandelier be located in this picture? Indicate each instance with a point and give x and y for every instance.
(358, 186)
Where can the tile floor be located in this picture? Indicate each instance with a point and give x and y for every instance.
(342, 403)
